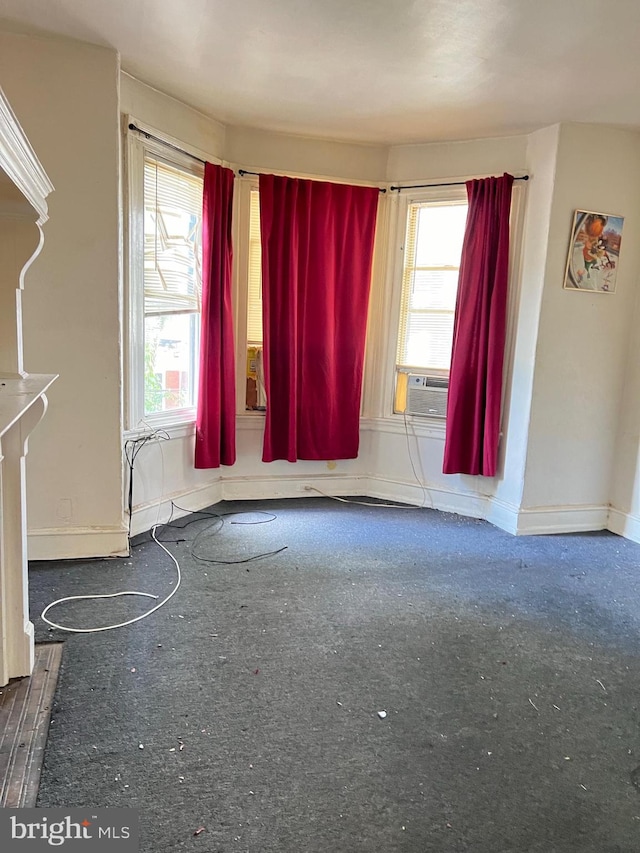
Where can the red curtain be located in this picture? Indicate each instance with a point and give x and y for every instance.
(475, 380)
(215, 422)
(317, 250)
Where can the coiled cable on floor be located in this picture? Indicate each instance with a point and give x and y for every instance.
(131, 453)
(116, 595)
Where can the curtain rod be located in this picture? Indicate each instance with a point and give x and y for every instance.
(243, 172)
(148, 135)
(452, 184)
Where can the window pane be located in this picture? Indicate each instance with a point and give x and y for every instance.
(434, 289)
(440, 234)
(432, 251)
(172, 241)
(254, 299)
(171, 344)
(256, 397)
(429, 340)
(255, 394)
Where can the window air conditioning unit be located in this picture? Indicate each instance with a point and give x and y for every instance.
(427, 395)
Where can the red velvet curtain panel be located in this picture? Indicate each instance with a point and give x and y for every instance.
(317, 249)
(475, 380)
(215, 422)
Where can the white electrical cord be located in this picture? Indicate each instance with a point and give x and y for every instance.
(144, 615)
(360, 503)
(115, 595)
(425, 491)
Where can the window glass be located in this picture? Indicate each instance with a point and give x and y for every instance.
(433, 246)
(255, 394)
(172, 285)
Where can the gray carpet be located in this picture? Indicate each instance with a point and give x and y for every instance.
(508, 668)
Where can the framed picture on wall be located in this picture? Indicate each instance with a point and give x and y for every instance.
(594, 252)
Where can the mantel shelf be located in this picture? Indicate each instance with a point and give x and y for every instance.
(18, 395)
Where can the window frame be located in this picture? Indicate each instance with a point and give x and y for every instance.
(137, 146)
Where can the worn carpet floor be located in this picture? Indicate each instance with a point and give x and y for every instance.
(248, 710)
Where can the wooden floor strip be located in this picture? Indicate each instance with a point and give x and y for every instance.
(25, 710)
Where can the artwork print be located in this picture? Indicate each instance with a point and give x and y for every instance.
(594, 252)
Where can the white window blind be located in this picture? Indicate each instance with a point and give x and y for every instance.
(433, 246)
(172, 224)
(254, 302)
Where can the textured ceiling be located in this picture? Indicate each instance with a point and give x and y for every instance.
(386, 71)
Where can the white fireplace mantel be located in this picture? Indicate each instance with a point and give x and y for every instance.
(24, 187)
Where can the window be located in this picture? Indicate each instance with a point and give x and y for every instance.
(432, 250)
(165, 284)
(172, 278)
(255, 395)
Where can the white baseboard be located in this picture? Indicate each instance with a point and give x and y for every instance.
(562, 519)
(74, 543)
(431, 497)
(240, 489)
(624, 524)
(308, 486)
(291, 486)
(159, 512)
(71, 543)
(502, 515)
(340, 485)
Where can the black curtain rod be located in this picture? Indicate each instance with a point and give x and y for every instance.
(164, 142)
(453, 184)
(243, 172)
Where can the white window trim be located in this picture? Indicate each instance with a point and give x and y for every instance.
(136, 147)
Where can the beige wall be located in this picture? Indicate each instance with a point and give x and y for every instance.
(583, 337)
(262, 150)
(625, 488)
(441, 160)
(172, 117)
(65, 95)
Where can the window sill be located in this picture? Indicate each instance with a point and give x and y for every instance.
(423, 427)
(420, 426)
(176, 429)
(250, 421)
